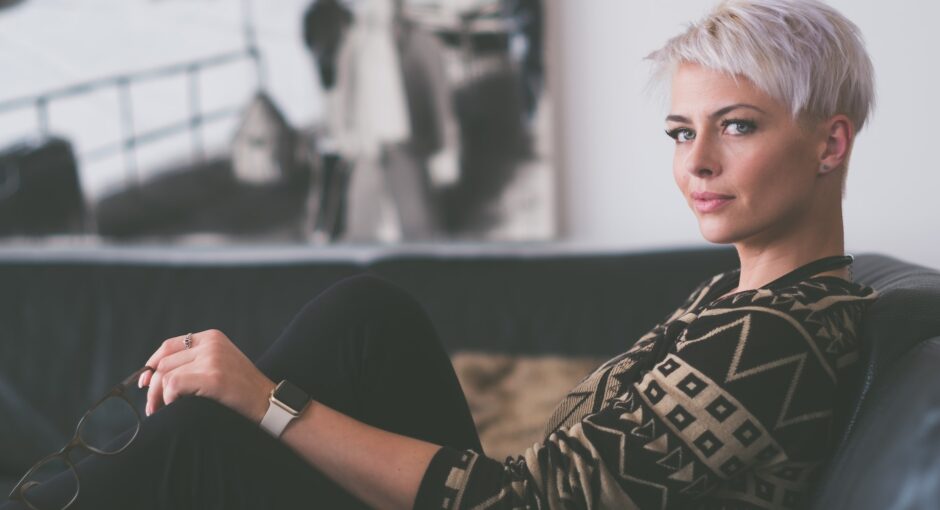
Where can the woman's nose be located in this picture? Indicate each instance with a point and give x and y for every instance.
(702, 159)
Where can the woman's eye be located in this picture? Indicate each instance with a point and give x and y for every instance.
(738, 127)
(681, 135)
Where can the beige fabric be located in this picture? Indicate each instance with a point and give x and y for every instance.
(512, 397)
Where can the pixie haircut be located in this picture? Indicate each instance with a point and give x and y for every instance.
(803, 53)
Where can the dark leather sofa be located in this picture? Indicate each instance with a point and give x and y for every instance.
(75, 321)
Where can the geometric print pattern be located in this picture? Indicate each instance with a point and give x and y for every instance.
(737, 413)
(725, 436)
(794, 363)
(776, 486)
(608, 379)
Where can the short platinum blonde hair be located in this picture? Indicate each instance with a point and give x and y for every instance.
(803, 53)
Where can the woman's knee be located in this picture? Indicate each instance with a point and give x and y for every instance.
(370, 290)
(370, 300)
(197, 415)
(198, 428)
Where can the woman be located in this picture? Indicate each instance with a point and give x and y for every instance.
(728, 402)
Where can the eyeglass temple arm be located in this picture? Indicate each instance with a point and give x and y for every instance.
(132, 379)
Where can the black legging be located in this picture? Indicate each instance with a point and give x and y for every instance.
(363, 347)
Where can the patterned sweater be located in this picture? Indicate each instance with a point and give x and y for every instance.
(738, 413)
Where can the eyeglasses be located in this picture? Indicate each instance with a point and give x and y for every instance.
(95, 433)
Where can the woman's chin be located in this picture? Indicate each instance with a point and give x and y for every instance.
(715, 234)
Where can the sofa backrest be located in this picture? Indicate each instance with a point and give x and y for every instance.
(906, 314)
(75, 321)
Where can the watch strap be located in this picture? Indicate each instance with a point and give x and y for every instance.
(276, 419)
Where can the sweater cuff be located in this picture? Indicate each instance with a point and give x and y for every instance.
(433, 492)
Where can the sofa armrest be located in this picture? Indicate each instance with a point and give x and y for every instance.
(892, 457)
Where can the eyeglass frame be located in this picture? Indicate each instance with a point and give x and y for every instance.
(19, 490)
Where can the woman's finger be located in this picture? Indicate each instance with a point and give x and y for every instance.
(144, 378)
(185, 380)
(154, 393)
(174, 361)
(164, 368)
(169, 347)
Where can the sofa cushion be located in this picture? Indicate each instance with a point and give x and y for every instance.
(512, 397)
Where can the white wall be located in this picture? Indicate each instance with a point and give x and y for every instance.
(616, 183)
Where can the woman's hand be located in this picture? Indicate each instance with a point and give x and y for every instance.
(342, 448)
(213, 367)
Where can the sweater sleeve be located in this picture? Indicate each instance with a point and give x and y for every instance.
(742, 404)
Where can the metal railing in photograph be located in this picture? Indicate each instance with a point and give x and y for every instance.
(130, 139)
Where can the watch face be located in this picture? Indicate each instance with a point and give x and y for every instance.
(291, 395)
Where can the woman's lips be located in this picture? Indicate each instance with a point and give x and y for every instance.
(709, 202)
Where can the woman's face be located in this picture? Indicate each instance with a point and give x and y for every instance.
(746, 168)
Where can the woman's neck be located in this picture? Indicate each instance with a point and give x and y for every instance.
(764, 262)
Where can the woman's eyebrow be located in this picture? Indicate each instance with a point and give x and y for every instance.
(717, 113)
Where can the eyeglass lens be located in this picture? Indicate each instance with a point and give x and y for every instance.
(110, 426)
(107, 428)
(60, 485)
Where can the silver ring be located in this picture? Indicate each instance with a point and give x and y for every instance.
(188, 341)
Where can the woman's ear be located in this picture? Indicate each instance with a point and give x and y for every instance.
(839, 135)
